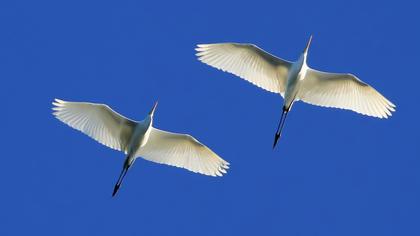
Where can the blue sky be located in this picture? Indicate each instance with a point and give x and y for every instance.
(334, 172)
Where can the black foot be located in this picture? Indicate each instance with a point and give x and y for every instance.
(117, 186)
(276, 138)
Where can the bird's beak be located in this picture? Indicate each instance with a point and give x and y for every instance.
(307, 45)
(153, 109)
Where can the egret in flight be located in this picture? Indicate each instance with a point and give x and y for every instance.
(295, 81)
(139, 139)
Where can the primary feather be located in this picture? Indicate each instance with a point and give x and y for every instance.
(111, 129)
(247, 61)
(344, 91)
(182, 150)
(98, 121)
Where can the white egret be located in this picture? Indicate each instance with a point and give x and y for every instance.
(139, 139)
(295, 81)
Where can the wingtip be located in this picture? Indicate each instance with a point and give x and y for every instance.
(58, 102)
(225, 165)
(202, 47)
(199, 54)
(392, 105)
(222, 170)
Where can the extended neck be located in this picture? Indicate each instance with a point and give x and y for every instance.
(148, 121)
(303, 58)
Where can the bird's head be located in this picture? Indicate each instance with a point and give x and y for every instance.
(153, 109)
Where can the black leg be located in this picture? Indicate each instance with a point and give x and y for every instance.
(120, 179)
(280, 126)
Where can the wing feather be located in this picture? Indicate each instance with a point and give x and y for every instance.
(344, 91)
(247, 61)
(98, 121)
(184, 151)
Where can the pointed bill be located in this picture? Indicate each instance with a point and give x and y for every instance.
(153, 109)
(308, 44)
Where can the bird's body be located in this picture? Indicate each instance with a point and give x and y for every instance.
(139, 138)
(295, 76)
(295, 81)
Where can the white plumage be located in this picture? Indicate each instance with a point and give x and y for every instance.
(182, 150)
(248, 62)
(295, 80)
(344, 91)
(139, 138)
(98, 121)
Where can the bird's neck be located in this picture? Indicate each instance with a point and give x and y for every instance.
(303, 58)
(149, 120)
(301, 62)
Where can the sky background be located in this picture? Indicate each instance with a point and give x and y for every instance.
(334, 172)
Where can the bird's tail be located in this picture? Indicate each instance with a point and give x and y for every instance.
(280, 126)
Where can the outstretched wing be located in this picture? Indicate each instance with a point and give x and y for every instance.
(248, 62)
(182, 150)
(98, 121)
(344, 91)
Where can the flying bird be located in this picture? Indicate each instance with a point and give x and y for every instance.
(139, 139)
(295, 81)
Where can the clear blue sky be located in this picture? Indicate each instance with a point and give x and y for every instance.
(334, 172)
